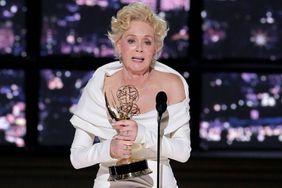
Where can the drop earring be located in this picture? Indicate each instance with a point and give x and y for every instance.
(120, 59)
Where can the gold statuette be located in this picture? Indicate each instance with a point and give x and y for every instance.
(125, 108)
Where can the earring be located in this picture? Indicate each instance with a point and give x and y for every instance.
(120, 60)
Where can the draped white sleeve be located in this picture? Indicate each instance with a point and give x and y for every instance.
(175, 142)
(84, 153)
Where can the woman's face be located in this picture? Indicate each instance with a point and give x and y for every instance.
(137, 47)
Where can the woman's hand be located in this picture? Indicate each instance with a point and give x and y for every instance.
(126, 129)
(120, 149)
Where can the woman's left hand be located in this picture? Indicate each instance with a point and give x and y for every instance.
(126, 129)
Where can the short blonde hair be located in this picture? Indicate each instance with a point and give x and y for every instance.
(137, 12)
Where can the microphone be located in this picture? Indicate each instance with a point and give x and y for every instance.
(161, 100)
(161, 105)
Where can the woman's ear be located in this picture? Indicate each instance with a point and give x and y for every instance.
(160, 46)
(158, 49)
(118, 47)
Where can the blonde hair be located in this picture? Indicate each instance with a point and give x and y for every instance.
(137, 12)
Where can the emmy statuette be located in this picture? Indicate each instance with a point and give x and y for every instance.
(125, 109)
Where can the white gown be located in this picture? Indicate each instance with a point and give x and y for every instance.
(90, 118)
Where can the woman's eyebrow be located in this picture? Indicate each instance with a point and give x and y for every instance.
(134, 35)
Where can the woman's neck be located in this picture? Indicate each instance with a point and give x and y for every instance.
(140, 81)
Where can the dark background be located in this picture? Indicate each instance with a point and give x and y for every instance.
(48, 165)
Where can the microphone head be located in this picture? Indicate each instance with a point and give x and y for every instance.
(161, 101)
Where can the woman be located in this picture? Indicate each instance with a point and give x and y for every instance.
(137, 35)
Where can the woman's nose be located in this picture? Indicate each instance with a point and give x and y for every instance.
(139, 48)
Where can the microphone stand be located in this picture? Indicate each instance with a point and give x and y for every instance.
(161, 106)
(158, 150)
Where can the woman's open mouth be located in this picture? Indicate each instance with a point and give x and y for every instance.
(138, 59)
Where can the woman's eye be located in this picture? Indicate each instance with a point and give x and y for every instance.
(130, 41)
(148, 43)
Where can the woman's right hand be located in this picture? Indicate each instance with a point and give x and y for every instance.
(120, 149)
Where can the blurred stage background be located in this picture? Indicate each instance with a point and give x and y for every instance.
(229, 51)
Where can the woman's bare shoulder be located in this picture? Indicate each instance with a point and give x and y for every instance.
(172, 85)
